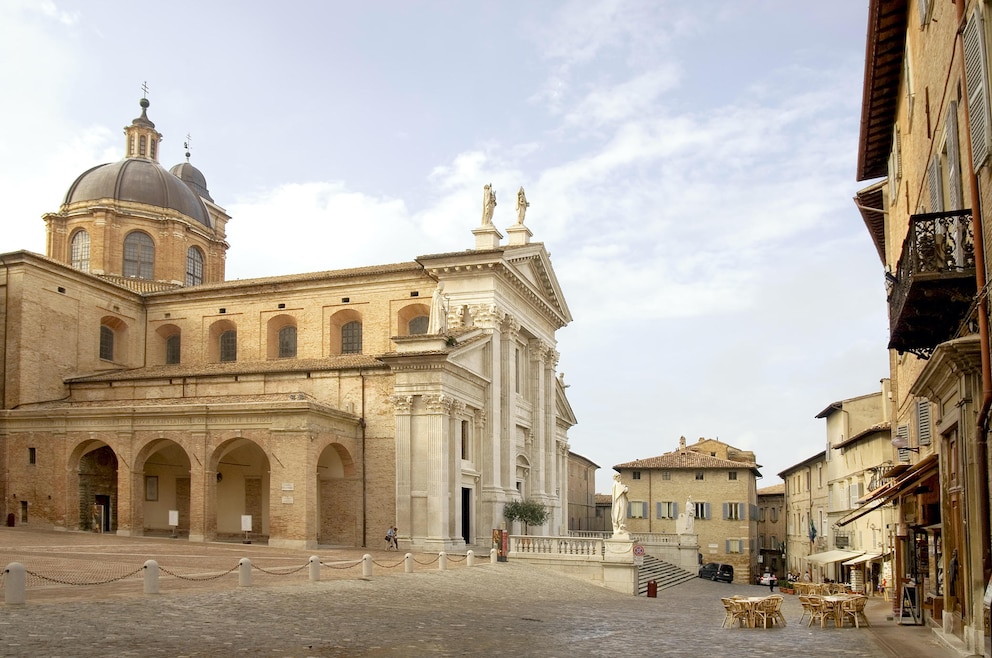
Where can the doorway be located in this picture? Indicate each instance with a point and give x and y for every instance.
(103, 507)
(467, 514)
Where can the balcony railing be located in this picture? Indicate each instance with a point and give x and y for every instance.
(934, 283)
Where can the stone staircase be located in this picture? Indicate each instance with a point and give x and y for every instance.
(665, 574)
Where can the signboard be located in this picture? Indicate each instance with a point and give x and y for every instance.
(246, 522)
(173, 517)
(909, 606)
(501, 539)
(638, 550)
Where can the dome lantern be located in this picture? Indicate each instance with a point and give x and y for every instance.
(141, 138)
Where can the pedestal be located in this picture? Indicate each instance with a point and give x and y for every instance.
(619, 572)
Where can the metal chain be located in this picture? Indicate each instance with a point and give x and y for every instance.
(436, 558)
(281, 573)
(347, 566)
(386, 566)
(96, 582)
(198, 579)
(457, 558)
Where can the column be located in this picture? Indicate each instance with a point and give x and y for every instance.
(402, 409)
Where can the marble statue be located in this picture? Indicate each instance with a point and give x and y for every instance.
(488, 204)
(437, 323)
(619, 506)
(522, 205)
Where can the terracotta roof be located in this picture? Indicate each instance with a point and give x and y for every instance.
(884, 426)
(604, 498)
(773, 490)
(685, 459)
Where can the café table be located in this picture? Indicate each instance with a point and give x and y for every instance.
(837, 603)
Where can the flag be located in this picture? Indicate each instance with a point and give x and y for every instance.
(812, 531)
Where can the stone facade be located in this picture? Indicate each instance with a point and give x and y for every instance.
(719, 481)
(581, 494)
(925, 149)
(772, 529)
(315, 404)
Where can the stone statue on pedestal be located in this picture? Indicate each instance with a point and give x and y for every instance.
(619, 506)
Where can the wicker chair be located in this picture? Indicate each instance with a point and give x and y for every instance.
(855, 609)
(804, 602)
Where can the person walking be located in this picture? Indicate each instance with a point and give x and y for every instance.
(391, 538)
(771, 582)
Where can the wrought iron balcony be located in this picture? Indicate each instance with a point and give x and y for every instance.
(934, 284)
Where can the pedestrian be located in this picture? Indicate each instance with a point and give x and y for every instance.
(771, 582)
(391, 538)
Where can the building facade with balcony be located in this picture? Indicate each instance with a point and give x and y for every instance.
(805, 514)
(926, 138)
(860, 456)
(771, 529)
(710, 480)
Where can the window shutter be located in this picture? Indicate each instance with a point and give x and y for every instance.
(675, 510)
(935, 184)
(855, 493)
(726, 511)
(902, 436)
(644, 510)
(754, 513)
(658, 513)
(706, 511)
(923, 429)
(976, 77)
(924, 6)
(956, 202)
(728, 547)
(629, 509)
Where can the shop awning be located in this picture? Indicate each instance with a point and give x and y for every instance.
(910, 478)
(832, 556)
(867, 557)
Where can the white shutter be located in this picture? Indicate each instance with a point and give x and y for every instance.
(976, 77)
(923, 426)
(902, 435)
(924, 7)
(956, 202)
(935, 184)
(855, 493)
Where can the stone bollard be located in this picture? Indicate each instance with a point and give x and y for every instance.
(366, 566)
(15, 582)
(314, 568)
(470, 558)
(442, 561)
(244, 572)
(493, 556)
(408, 563)
(151, 577)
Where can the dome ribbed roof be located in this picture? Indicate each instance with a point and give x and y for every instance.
(193, 177)
(140, 181)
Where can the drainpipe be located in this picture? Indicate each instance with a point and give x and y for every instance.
(981, 424)
(361, 425)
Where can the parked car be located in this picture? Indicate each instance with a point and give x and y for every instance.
(768, 579)
(717, 571)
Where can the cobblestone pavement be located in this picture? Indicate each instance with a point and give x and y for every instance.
(489, 610)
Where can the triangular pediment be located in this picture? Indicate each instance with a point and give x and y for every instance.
(532, 265)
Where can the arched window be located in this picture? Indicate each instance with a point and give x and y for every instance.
(351, 338)
(141, 145)
(287, 342)
(418, 325)
(139, 256)
(80, 251)
(106, 343)
(229, 345)
(173, 345)
(194, 266)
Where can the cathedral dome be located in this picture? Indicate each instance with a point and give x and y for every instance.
(193, 177)
(140, 181)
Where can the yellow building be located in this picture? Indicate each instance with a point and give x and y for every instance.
(925, 144)
(711, 480)
(142, 392)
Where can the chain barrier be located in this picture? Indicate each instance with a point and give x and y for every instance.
(61, 581)
(457, 558)
(436, 558)
(345, 566)
(197, 578)
(386, 566)
(281, 573)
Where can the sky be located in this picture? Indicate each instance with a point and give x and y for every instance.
(690, 167)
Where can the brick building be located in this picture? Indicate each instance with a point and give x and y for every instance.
(141, 391)
(718, 480)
